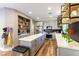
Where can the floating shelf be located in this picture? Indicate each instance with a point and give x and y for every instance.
(74, 17)
(23, 25)
(68, 9)
(74, 4)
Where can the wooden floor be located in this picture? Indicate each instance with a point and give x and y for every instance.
(47, 49)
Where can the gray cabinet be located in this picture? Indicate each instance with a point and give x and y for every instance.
(34, 44)
(67, 52)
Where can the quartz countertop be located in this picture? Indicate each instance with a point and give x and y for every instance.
(61, 42)
(32, 37)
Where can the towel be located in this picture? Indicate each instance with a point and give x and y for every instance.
(9, 39)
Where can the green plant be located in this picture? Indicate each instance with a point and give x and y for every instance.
(66, 30)
(68, 38)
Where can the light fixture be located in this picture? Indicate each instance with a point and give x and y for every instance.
(50, 16)
(37, 17)
(59, 12)
(49, 8)
(29, 12)
(49, 13)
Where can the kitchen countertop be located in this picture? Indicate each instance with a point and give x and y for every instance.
(61, 42)
(32, 37)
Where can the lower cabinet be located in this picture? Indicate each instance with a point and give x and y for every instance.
(34, 45)
(67, 52)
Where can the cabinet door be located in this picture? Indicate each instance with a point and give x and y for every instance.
(40, 40)
(67, 52)
(33, 45)
(43, 38)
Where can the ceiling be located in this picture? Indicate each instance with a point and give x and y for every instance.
(38, 11)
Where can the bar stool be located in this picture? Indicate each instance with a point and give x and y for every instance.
(21, 51)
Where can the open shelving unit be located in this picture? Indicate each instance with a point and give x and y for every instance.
(59, 21)
(74, 8)
(74, 12)
(70, 12)
(65, 10)
(23, 25)
(65, 13)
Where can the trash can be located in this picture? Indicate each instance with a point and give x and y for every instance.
(21, 51)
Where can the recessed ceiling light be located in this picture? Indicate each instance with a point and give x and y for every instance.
(59, 12)
(29, 12)
(37, 17)
(49, 8)
(50, 16)
(49, 13)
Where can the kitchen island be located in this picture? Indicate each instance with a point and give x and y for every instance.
(65, 48)
(34, 42)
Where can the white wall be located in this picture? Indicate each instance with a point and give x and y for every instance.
(52, 23)
(2, 23)
(11, 20)
(9, 17)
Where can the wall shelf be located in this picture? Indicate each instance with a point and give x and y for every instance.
(23, 25)
(74, 4)
(71, 11)
(74, 17)
(59, 21)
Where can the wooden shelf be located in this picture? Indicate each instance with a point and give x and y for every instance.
(74, 11)
(59, 21)
(23, 25)
(71, 11)
(65, 7)
(74, 4)
(65, 10)
(74, 17)
(65, 20)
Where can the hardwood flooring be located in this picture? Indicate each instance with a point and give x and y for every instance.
(47, 49)
(6, 53)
